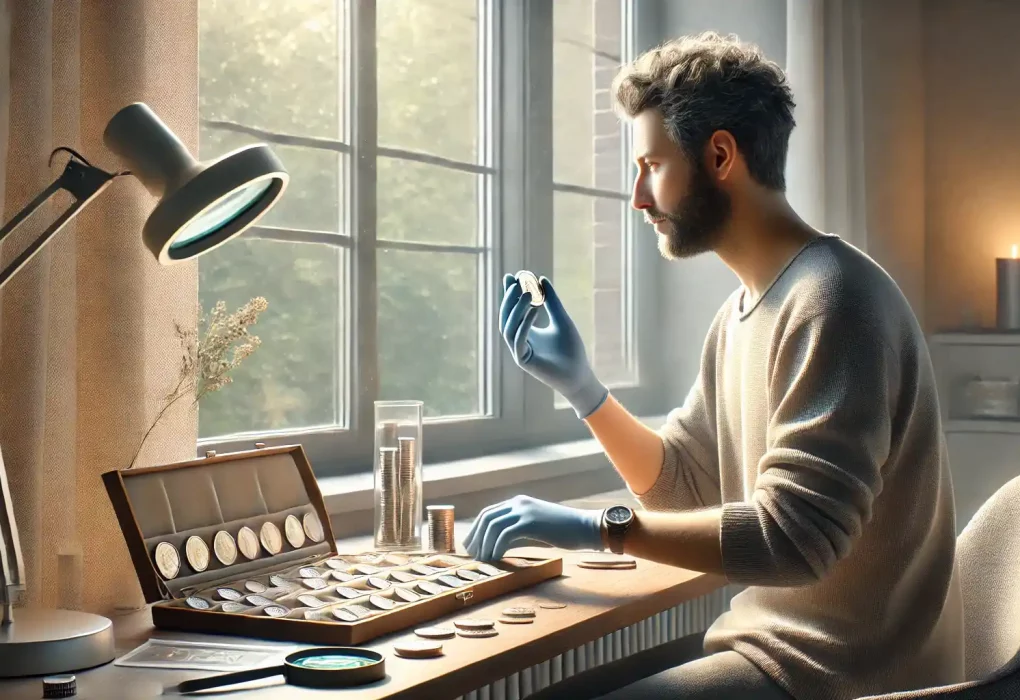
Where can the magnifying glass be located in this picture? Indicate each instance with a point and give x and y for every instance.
(323, 667)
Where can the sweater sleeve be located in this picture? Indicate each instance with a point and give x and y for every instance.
(689, 477)
(833, 380)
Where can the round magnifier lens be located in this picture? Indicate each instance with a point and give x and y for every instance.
(221, 213)
(331, 662)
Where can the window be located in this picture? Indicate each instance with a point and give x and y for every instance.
(432, 146)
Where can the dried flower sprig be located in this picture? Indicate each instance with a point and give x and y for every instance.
(209, 352)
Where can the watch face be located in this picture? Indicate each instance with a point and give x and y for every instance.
(619, 514)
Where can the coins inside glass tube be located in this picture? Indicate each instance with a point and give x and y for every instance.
(529, 283)
(295, 533)
(313, 528)
(271, 538)
(248, 542)
(168, 560)
(225, 548)
(197, 552)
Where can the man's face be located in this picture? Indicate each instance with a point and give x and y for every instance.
(677, 195)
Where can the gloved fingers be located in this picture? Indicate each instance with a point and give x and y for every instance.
(487, 513)
(508, 281)
(506, 539)
(516, 318)
(492, 532)
(558, 315)
(510, 296)
(521, 348)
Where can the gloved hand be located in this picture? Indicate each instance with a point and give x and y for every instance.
(525, 518)
(554, 354)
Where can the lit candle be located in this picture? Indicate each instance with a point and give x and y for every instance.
(1007, 282)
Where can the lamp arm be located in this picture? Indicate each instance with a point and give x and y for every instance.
(83, 181)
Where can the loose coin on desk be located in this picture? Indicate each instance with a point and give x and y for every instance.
(197, 552)
(436, 632)
(549, 605)
(485, 632)
(294, 532)
(225, 548)
(607, 563)
(519, 612)
(418, 649)
(248, 542)
(168, 560)
(516, 620)
(406, 594)
(472, 623)
(313, 528)
(196, 603)
(228, 594)
(255, 587)
(270, 537)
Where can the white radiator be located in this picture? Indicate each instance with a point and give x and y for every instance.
(687, 618)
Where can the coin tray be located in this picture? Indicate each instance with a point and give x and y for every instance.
(227, 492)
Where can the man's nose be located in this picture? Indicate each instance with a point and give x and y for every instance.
(639, 197)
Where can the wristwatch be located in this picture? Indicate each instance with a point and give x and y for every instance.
(617, 520)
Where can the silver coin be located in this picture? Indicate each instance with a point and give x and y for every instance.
(469, 575)
(278, 580)
(382, 602)
(225, 548)
(316, 584)
(402, 576)
(349, 592)
(423, 569)
(248, 542)
(275, 611)
(431, 587)
(345, 615)
(359, 610)
(489, 569)
(310, 572)
(228, 594)
(406, 594)
(255, 587)
(257, 600)
(519, 611)
(529, 283)
(295, 533)
(197, 552)
(367, 569)
(234, 607)
(270, 537)
(168, 560)
(451, 581)
(337, 564)
(313, 528)
(378, 583)
(311, 601)
(197, 603)
(342, 576)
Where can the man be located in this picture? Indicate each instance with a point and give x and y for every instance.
(807, 461)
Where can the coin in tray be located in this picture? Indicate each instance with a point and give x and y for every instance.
(294, 532)
(406, 595)
(337, 564)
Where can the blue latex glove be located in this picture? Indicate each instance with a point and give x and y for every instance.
(525, 518)
(554, 354)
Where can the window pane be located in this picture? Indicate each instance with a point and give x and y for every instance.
(274, 65)
(590, 262)
(427, 69)
(426, 203)
(312, 199)
(588, 143)
(293, 379)
(429, 330)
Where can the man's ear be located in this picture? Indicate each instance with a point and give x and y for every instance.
(721, 154)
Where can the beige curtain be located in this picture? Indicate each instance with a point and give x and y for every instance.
(87, 347)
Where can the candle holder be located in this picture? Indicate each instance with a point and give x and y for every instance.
(1007, 285)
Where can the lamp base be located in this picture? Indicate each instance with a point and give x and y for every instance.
(44, 642)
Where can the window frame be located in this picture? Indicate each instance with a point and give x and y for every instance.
(515, 142)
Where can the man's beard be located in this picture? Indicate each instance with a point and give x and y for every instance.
(696, 226)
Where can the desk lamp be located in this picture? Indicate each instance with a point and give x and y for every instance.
(201, 206)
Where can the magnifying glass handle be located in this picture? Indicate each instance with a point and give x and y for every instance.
(228, 679)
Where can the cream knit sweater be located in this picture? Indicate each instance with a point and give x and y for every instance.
(814, 424)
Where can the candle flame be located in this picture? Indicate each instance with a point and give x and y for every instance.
(1016, 251)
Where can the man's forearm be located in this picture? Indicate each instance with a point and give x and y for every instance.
(634, 449)
(689, 540)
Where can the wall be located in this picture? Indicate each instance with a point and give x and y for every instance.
(693, 290)
(972, 137)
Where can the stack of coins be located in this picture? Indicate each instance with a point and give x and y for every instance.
(388, 506)
(407, 481)
(441, 528)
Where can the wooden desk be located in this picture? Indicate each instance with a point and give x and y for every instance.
(598, 603)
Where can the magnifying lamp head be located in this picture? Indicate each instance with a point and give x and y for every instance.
(201, 204)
